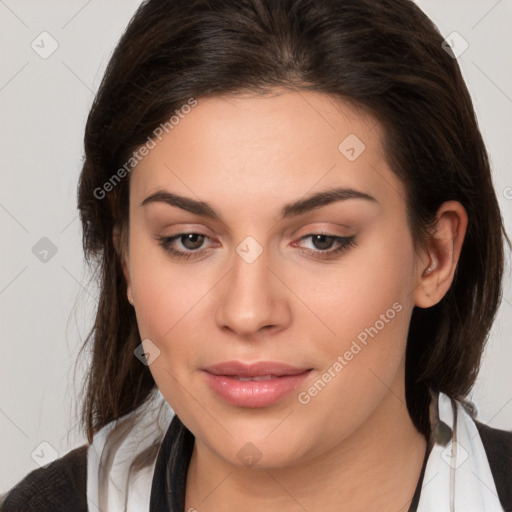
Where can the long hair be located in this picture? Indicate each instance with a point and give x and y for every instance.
(385, 57)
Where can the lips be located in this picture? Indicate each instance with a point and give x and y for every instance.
(254, 385)
(261, 369)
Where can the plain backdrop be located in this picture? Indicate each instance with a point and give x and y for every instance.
(54, 54)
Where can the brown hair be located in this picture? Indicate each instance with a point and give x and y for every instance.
(385, 57)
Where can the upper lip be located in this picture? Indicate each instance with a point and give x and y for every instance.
(260, 369)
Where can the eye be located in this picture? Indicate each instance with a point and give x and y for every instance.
(190, 245)
(323, 244)
(191, 242)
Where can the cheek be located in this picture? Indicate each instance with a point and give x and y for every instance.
(166, 303)
(368, 312)
(162, 295)
(365, 307)
(366, 287)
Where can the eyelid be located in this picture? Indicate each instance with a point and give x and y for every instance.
(321, 228)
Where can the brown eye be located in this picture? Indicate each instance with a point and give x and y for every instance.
(192, 241)
(184, 245)
(326, 246)
(322, 242)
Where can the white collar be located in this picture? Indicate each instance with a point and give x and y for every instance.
(457, 476)
(114, 481)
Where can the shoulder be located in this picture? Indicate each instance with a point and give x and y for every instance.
(60, 486)
(498, 447)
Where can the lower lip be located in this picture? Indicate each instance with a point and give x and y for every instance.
(252, 393)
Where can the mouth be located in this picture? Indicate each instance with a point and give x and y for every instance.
(256, 379)
(254, 370)
(254, 385)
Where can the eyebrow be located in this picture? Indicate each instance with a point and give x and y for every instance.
(296, 208)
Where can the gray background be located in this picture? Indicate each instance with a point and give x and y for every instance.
(46, 306)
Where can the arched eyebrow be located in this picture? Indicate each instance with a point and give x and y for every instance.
(303, 205)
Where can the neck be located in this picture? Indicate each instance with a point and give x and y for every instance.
(375, 469)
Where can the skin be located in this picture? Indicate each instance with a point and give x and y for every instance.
(353, 446)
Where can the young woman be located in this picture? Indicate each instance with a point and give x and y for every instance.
(300, 254)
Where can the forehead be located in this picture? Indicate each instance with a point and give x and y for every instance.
(267, 148)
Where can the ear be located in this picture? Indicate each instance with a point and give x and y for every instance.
(122, 250)
(436, 268)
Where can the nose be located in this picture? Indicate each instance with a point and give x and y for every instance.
(252, 299)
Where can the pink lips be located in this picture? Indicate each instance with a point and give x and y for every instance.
(254, 385)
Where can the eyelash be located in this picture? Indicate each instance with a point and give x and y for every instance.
(345, 243)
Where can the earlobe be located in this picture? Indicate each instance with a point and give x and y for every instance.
(444, 248)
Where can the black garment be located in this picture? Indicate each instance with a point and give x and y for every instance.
(62, 485)
(498, 447)
(59, 487)
(413, 507)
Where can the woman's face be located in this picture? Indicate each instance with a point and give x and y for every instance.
(317, 286)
